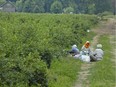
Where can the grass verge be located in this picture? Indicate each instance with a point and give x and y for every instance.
(103, 72)
(63, 72)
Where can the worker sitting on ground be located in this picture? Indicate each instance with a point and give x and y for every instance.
(86, 48)
(97, 54)
(74, 51)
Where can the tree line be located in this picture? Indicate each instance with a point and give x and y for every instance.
(64, 6)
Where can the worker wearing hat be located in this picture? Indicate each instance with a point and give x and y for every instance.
(97, 54)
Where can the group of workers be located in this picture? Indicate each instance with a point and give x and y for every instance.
(95, 55)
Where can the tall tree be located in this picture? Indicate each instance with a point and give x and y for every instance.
(69, 10)
(19, 5)
(36, 9)
(31, 5)
(40, 4)
(114, 7)
(56, 7)
(103, 5)
(85, 6)
(48, 5)
(2, 1)
(12, 0)
(27, 6)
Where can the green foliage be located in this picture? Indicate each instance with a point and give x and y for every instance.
(29, 43)
(91, 8)
(56, 7)
(20, 62)
(68, 10)
(2, 1)
(103, 5)
(30, 6)
(106, 13)
(26, 71)
(63, 72)
(36, 9)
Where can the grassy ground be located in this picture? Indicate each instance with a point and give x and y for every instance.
(103, 72)
(63, 72)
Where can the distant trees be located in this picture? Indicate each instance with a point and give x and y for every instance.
(68, 10)
(114, 6)
(12, 0)
(2, 1)
(30, 6)
(56, 7)
(66, 6)
(103, 5)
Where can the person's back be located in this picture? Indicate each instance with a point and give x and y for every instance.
(99, 54)
(74, 51)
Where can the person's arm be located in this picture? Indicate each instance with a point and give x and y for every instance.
(82, 48)
(89, 50)
(95, 53)
(102, 52)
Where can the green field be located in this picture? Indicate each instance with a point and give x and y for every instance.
(33, 48)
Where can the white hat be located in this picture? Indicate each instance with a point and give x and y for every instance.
(99, 46)
(74, 46)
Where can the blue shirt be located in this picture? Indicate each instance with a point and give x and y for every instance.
(75, 50)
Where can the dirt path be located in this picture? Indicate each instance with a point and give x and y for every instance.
(107, 28)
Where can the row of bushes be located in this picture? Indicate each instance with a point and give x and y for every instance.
(29, 42)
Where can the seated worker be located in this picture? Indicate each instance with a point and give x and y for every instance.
(97, 54)
(86, 48)
(74, 51)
